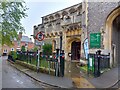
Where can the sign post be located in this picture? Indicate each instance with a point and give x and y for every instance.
(38, 64)
(40, 38)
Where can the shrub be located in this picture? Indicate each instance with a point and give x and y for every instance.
(13, 54)
(35, 49)
(23, 48)
(47, 49)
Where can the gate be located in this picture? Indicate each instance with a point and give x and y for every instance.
(98, 63)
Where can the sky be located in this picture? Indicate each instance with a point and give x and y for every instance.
(40, 8)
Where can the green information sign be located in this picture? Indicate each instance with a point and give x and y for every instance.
(91, 64)
(95, 40)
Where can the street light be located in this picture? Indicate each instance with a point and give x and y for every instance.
(60, 41)
(33, 36)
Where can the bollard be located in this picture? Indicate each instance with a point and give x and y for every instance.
(62, 60)
(99, 57)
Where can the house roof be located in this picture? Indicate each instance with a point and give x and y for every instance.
(25, 39)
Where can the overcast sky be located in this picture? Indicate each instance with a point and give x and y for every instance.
(39, 8)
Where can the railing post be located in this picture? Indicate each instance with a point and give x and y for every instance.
(57, 64)
(99, 57)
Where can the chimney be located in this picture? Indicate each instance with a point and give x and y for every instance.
(20, 35)
(31, 39)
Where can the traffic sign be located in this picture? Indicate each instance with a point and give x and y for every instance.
(40, 36)
(39, 43)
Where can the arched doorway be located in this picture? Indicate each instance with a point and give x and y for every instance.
(112, 36)
(73, 44)
(116, 40)
(75, 50)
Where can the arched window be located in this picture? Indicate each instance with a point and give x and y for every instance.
(54, 45)
(46, 19)
(57, 15)
(64, 13)
(72, 10)
(51, 17)
(79, 10)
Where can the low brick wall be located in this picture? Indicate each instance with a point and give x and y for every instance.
(32, 67)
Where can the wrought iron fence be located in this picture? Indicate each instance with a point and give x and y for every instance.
(104, 62)
(32, 58)
(98, 62)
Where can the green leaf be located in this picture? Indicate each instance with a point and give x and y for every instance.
(12, 13)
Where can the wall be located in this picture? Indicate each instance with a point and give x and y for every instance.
(97, 15)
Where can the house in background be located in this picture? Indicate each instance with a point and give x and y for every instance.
(27, 42)
(17, 44)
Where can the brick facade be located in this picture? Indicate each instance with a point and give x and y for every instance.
(6, 49)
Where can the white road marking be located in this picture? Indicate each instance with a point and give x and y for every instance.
(20, 82)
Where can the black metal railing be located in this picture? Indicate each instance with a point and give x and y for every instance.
(32, 58)
(98, 63)
(104, 62)
(46, 62)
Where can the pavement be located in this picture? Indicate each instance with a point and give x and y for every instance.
(74, 78)
(59, 82)
(108, 79)
(73, 71)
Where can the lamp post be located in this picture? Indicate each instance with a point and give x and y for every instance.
(61, 57)
(60, 53)
(60, 42)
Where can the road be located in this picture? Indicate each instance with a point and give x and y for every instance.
(0, 72)
(12, 78)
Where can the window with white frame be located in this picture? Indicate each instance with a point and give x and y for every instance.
(12, 49)
(5, 50)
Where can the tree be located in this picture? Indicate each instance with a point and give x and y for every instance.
(47, 49)
(23, 48)
(11, 14)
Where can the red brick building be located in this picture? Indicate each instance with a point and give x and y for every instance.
(17, 44)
